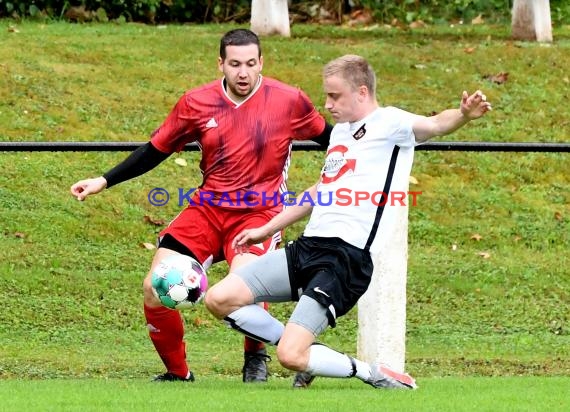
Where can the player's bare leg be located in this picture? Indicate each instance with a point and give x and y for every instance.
(297, 351)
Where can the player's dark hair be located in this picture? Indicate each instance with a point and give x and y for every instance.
(238, 37)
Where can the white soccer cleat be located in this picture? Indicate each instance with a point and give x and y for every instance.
(385, 378)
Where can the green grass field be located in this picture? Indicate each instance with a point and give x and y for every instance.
(488, 279)
(222, 394)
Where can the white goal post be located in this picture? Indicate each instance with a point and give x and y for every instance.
(531, 20)
(382, 309)
(270, 17)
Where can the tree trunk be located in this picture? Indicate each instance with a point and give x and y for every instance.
(270, 17)
(531, 20)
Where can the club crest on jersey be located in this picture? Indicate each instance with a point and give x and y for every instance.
(336, 164)
(359, 134)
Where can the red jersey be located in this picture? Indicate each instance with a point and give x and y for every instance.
(246, 147)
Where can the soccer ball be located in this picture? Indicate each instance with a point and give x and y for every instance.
(179, 282)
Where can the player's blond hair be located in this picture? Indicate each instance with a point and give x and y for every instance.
(355, 70)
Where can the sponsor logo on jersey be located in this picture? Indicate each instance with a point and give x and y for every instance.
(336, 164)
(359, 134)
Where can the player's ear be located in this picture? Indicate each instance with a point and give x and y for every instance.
(260, 63)
(220, 64)
(363, 92)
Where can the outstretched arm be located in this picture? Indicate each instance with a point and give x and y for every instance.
(471, 107)
(288, 216)
(140, 161)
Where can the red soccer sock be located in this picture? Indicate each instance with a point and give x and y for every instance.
(166, 330)
(251, 345)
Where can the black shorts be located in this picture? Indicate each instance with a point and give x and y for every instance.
(329, 270)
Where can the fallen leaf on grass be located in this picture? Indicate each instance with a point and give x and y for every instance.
(558, 216)
(476, 236)
(484, 255)
(148, 246)
(180, 162)
(498, 328)
(397, 23)
(469, 50)
(19, 235)
(413, 180)
(12, 29)
(360, 17)
(454, 247)
(418, 24)
(156, 222)
(498, 78)
(478, 20)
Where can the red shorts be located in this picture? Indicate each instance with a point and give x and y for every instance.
(208, 230)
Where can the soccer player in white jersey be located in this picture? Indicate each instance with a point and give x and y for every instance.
(329, 267)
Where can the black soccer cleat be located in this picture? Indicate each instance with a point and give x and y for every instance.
(170, 377)
(303, 380)
(255, 366)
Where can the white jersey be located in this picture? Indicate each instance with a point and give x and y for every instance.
(364, 160)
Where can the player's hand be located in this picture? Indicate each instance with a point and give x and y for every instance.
(475, 105)
(87, 187)
(248, 237)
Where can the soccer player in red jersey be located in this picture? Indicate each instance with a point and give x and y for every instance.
(244, 124)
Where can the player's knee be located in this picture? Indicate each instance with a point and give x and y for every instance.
(290, 358)
(147, 284)
(226, 296)
(291, 355)
(149, 297)
(216, 301)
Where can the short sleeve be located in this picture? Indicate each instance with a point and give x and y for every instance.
(306, 121)
(177, 129)
(403, 122)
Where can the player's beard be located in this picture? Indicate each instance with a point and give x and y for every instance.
(237, 90)
(244, 90)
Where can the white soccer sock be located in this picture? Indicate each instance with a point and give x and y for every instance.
(363, 371)
(324, 361)
(257, 323)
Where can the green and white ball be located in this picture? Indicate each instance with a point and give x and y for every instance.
(179, 282)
